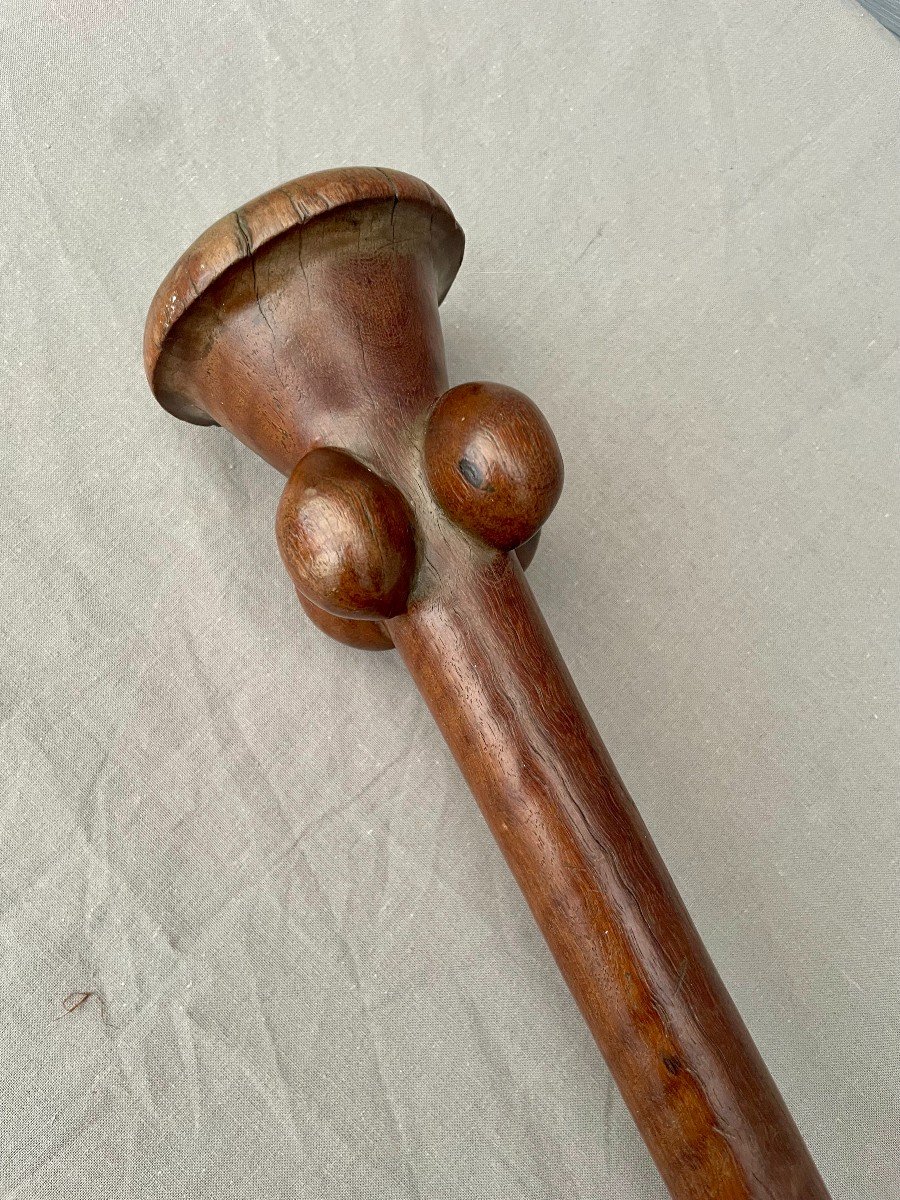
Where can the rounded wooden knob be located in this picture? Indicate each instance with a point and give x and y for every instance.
(492, 462)
(357, 632)
(346, 537)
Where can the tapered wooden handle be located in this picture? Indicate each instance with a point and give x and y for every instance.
(702, 1098)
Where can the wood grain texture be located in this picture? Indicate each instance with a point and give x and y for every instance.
(492, 463)
(308, 325)
(346, 537)
(687, 1068)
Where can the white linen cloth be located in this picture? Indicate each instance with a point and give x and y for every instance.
(311, 974)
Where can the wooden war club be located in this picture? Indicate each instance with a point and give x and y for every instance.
(307, 324)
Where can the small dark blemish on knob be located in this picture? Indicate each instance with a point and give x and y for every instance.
(492, 463)
(672, 1064)
(472, 474)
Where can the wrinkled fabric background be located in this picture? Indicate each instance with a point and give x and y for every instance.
(311, 974)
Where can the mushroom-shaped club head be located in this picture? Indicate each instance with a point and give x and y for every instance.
(316, 300)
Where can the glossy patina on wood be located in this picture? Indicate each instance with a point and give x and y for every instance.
(307, 324)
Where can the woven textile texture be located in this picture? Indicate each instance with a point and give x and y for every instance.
(303, 968)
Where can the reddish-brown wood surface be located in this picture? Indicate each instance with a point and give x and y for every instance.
(307, 324)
